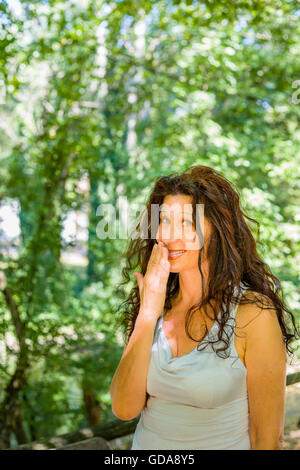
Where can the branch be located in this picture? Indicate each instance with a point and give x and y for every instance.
(293, 378)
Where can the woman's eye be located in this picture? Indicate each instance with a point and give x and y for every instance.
(187, 222)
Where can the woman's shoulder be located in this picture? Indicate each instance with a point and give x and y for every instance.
(254, 306)
(258, 325)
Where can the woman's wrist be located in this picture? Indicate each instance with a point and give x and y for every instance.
(146, 315)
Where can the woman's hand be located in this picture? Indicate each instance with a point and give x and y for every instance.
(153, 285)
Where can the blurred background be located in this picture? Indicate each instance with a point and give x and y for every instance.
(97, 100)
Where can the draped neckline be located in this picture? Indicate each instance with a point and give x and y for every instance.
(171, 357)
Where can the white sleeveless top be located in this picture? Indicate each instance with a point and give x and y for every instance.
(198, 400)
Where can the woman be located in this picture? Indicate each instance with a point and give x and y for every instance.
(229, 391)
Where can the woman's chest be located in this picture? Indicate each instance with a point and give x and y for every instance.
(196, 378)
(180, 344)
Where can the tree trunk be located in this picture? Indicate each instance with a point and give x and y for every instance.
(92, 407)
(10, 417)
(18, 426)
(10, 407)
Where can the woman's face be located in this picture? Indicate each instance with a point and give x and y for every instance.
(178, 232)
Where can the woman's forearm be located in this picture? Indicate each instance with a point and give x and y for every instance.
(128, 387)
(267, 444)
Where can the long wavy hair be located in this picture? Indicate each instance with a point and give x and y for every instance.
(232, 256)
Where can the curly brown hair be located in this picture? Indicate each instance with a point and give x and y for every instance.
(231, 252)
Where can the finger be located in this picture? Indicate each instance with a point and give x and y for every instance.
(165, 263)
(152, 253)
(164, 252)
(156, 254)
